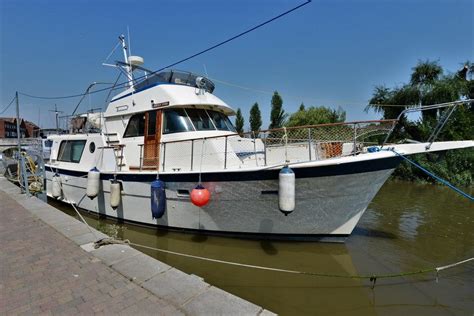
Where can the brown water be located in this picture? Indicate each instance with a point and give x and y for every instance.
(407, 227)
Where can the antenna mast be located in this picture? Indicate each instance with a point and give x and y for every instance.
(56, 112)
(128, 68)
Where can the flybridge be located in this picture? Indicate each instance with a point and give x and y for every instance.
(151, 79)
(176, 77)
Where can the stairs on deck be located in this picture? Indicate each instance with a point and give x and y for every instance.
(112, 140)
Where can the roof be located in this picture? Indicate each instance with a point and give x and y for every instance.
(13, 121)
(8, 119)
(28, 123)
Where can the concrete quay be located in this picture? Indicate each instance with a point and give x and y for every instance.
(50, 267)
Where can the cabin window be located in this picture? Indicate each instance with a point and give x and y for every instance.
(176, 121)
(221, 121)
(136, 126)
(187, 120)
(71, 150)
(200, 119)
(92, 147)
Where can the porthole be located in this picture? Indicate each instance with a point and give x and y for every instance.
(92, 147)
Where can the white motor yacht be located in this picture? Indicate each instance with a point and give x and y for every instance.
(309, 182)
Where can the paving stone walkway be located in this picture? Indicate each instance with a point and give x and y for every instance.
(43, 272)
(49, 266)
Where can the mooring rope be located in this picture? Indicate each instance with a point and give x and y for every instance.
(372, 277)
(77, 211)
(446, 183)
(110, 241)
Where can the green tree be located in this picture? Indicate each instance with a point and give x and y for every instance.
(429, 86)
(239, 122)
(316, 115)
(255, 118)
(302, 108)
(277, 114)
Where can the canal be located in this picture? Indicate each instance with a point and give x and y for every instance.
(407, 227)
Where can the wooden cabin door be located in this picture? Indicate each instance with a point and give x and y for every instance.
(151, 155)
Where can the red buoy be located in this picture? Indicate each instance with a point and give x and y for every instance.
(200, 196)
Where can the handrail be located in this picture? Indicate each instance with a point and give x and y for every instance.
(328, 124)
(282, 129)
(320, 144)
(441, 123)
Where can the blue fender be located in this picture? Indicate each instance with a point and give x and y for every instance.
(158, 199)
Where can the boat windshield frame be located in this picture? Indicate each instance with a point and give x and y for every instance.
(179, 77)
(182, 120)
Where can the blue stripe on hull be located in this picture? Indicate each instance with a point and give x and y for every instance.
(226, 176)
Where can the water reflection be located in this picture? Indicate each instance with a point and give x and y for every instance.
(406, 228)
(409, 223)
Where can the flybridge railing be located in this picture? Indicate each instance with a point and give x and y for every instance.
(83, 123)
(266, 148)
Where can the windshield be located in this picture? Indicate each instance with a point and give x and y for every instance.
(221, 121)
(176, 121)
(187, 120)
(200, 119)
(176, 77)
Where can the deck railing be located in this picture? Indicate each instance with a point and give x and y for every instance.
(441, 119)
(268, 147)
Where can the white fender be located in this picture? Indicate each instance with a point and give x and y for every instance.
(56, 186)
(286, 190)
(114, 194)
(93, 180)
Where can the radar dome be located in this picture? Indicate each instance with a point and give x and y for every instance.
(135, 60)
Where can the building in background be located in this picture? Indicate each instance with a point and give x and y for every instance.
(8, 128)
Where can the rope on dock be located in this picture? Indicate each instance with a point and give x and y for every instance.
(372, 277)
(110, 241)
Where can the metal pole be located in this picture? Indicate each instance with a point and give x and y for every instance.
(265, 149)
(192, 153)
(18, 123)
(309, 143)
(23, 177)
(255, 148)
(394, 123)
(57, 118)
(355, 139)
(164, 155)
(141, 156)
(440, 126)
(128, 68)
(225, 154)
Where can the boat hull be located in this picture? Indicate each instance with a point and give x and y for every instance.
(329, 200)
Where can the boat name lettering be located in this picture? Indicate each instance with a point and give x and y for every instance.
(157, 105)
(121, 108)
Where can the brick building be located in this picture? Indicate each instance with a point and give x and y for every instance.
(8, 128)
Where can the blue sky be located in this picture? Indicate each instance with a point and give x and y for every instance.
(330, 52)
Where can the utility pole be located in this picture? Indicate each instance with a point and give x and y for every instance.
(22, 176)
(57, 117)
(18, 135)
